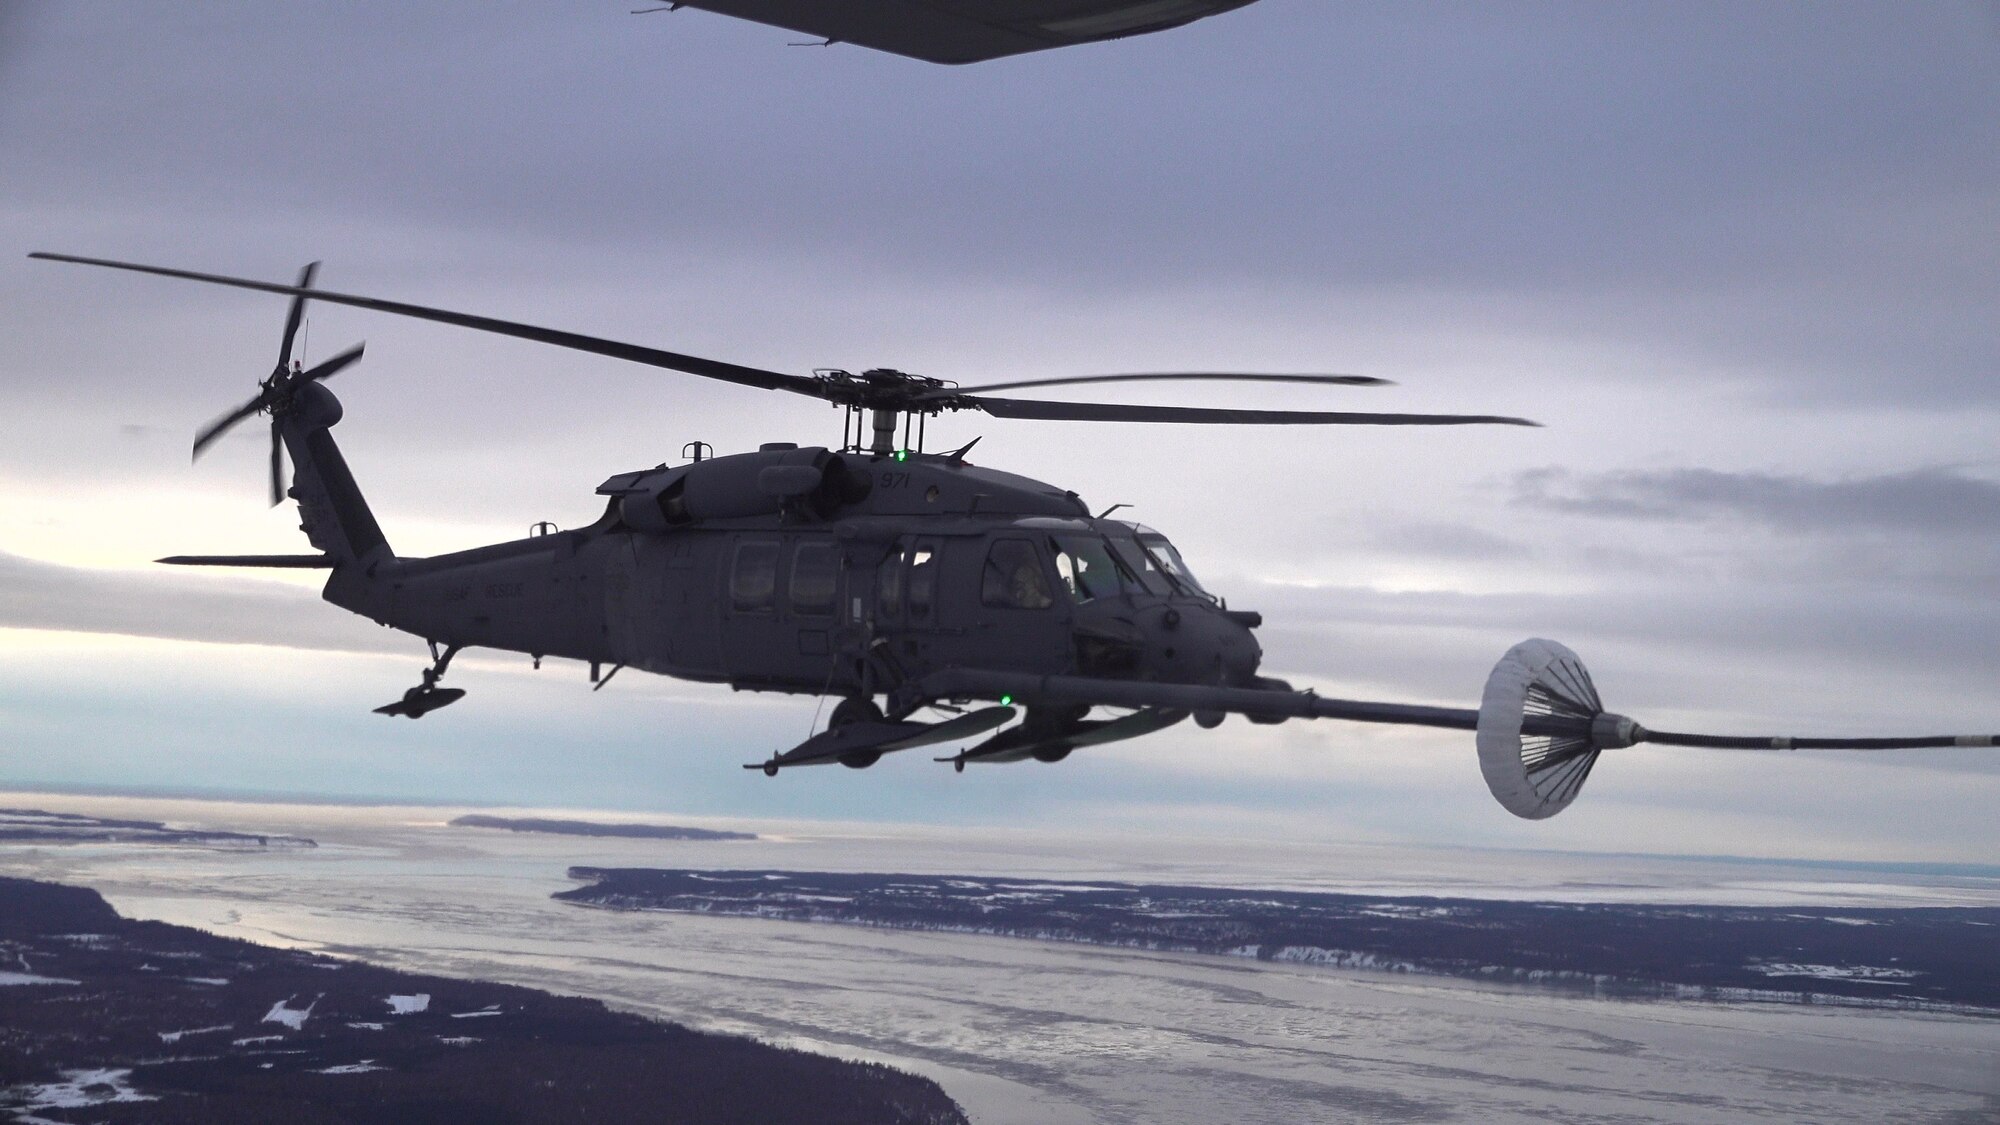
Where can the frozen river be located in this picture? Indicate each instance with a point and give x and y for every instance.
(1027, 1032)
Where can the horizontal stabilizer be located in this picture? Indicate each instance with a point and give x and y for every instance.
(292, 562)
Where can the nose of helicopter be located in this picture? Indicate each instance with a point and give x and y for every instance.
(1197, 643)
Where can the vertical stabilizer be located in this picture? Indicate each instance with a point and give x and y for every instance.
(333, 513)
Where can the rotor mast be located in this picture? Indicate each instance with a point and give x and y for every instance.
(883, 419)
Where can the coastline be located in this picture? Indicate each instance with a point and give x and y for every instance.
(1025, 1033)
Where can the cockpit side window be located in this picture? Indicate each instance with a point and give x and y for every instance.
(753, 581)
(1014, 578)
(1088, 568)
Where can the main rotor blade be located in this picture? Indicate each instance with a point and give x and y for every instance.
(1166, 376)
(277, 467)
(332, 366)
(633, 353)
(222, 425)
(296, 314)
(1122, 412)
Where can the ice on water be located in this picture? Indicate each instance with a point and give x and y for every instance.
(1022, 1031)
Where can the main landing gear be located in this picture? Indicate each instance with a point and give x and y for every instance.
(427, 696)
(849, 711)
(854, 709)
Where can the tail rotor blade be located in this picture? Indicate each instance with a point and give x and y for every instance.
(277, 467)
(295, 315)
(332, 366)
(222, 425)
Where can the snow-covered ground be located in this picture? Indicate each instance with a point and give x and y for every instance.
(9, 977)
(177, 1036)
(1835, 972)
(283, 1013)
(78, 1089)
(1022, 1032)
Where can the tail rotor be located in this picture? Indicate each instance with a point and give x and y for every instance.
(276, 392)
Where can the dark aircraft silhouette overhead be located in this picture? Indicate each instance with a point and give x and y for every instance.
(967, 31)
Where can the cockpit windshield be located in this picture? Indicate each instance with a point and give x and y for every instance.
(1169, 560)
(1092, 567)
(1140, 565)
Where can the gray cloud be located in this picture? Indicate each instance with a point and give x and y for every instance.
(1788, 196)
(1933, 501)
(1739, 659)
(217, 607)
(1675, 234)
(1447, 541)
(15, 30)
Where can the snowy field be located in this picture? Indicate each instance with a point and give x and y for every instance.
(1025, 1032)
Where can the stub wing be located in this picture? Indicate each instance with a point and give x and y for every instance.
(858, 745)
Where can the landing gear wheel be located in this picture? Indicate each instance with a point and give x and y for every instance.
(854, 709)
(770, 769)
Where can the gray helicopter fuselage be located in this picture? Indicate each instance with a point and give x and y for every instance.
(804, 570)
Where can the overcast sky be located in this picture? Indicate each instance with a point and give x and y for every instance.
(1742, 259)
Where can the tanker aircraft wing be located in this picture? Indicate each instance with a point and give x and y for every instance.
(966, 31)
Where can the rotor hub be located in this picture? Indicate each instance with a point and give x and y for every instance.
(883, 388)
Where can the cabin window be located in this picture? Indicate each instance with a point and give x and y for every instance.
(815, 571)
(753, 581)
(1014, 577)
(923, 579)
(889, 586)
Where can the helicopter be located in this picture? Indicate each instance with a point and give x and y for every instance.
(880, 570)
